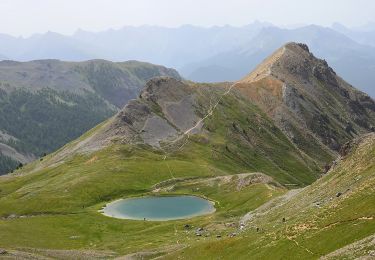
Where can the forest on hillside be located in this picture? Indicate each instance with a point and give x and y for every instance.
(46, 119)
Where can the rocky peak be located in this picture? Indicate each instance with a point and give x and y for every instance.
(299, 48)
(164, 89)
(164, 110)
(314, 107)
(303, 46)
(307, 99)
(292, 58)
(299, 62)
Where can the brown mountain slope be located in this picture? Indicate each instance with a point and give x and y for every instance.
(313, 106)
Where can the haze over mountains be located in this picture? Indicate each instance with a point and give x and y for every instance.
(364, 35)
(241, 144)
(168, 129)
(205, 54)
(350, 59)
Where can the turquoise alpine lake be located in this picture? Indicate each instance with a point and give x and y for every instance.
(159, 208)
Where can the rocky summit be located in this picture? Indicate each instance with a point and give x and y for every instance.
(313, 106)
(286, 156)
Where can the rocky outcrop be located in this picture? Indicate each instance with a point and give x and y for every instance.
(308, 101)
(174, 99)
(164, 110)
(315, 108)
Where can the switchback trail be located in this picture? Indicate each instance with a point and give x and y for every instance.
(188, 131)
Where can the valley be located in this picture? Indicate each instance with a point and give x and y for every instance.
(287, 155)
(46, 103)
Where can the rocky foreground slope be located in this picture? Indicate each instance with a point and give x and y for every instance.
(243, 145)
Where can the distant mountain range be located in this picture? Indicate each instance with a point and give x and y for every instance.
(364, 35)
(172, 46)
(206, 54)
(353, 61)
(286, 155)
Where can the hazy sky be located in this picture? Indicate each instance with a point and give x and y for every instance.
(25, 17)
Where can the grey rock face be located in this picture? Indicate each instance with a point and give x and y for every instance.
(164, 110)
(157, 129)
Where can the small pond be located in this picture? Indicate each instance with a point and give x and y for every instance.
(159, 208)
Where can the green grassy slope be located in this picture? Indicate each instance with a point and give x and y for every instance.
(59, 196)
(84, 180)
(236, 156)
(72, 210)
(335, 211)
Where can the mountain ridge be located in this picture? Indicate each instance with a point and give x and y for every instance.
(214, 54)
(217, 141)
(46, 103)
(297, 97)
(297, 90)
(339, 50)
